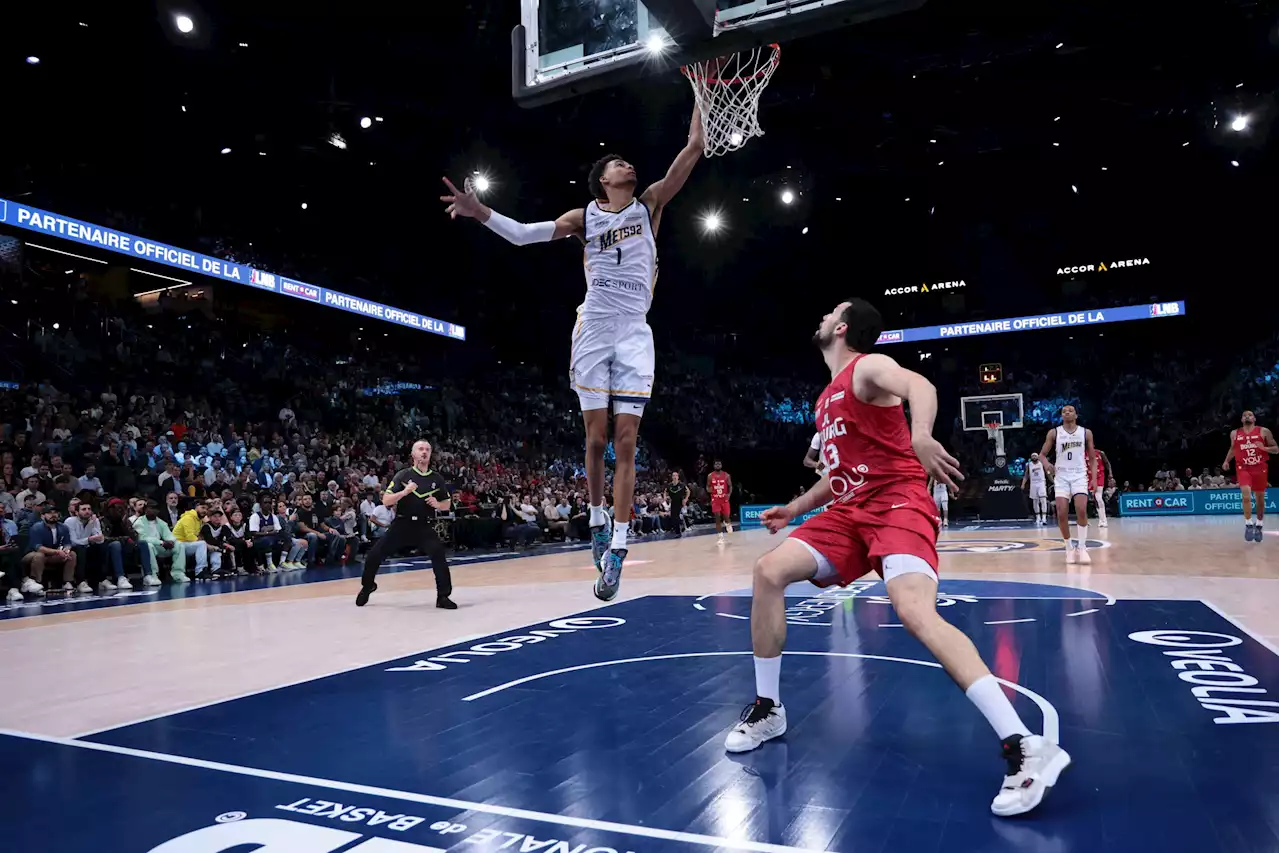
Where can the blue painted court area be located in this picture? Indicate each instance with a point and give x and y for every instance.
(604, 731)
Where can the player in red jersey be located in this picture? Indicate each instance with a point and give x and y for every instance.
(720, 486)
(1100, 479)
(880, 519)
(1249, 445)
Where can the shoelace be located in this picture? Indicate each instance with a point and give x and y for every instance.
(756, 712)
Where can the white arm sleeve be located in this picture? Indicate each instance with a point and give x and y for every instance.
(518, 232)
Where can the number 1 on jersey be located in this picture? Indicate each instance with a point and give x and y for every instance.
(619, 256)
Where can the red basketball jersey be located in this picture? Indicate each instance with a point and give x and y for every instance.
(1250, 448)
(718, 485)
(1099, 469)
(866, 449)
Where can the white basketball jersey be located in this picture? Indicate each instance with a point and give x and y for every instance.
(1036, 476)
(1069, 458)
(621, 261)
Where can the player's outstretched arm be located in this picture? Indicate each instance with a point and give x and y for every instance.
(1047, 449)
(879, 375)
(662, 191)
(467, 204)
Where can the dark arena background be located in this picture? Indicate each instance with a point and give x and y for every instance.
(227, 275)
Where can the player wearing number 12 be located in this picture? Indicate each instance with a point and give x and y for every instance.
(611, 354)
(1250, 445)
(879, 518)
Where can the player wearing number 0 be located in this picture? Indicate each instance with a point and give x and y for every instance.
(611, 352)
(1072, 472)
(880, 519)
(1249, 446)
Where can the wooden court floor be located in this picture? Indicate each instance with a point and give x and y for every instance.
(75, 673)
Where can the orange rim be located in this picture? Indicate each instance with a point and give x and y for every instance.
(689, 72)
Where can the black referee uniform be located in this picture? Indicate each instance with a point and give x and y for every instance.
(413, 527)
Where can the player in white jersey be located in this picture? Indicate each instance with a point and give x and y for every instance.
(813, 458)
(941, 498)
(1072, 470)
(611, 353)
(1034, 480)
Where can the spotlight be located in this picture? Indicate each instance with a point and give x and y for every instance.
(656, 43)
(366, 122)
(481, 183)
(1240, 123)
(1235, 162)
(788, 196)
(735, 138)
(33, 60)
(55, 325)
(304, 205)
(804, 230)
(226, 151)
(711, 222)
(1073, 189)
(184, 23)
(336, 140)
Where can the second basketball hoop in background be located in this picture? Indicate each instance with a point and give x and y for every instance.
(727, 91)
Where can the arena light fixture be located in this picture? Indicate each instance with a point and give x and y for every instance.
(788, 196)
(33, 60)
(226, 151)
(735, 138)
(804, 230)
(712, 222)
(1235, 162)
(366, 122)
(656, 43)
(336, 140)
(184, 23)
(1240, 123)
(304, 205)
(481, 183)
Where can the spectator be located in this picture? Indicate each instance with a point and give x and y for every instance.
(86, 540)
(120, 539)
(90, 480)
(187, 534)
(50, 548)
(241, 542)
(214, 534)
(317, 531)
(32, 489)
(155, 540)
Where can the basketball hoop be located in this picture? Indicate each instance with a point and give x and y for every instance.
(995, 432)
(727, 93)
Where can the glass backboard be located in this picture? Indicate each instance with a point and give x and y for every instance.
(568, 47)
(977, 413)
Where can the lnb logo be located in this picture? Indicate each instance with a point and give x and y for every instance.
(262, 279)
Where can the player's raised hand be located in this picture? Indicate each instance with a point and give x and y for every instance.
(940, 464)
(461, 202)
(776, 518)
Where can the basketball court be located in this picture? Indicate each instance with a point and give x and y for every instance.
(532, 718)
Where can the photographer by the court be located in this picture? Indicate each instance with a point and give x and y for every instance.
(417, 493)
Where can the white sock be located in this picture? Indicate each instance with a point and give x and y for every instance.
(768, 673)
(987, 694)
(620, 536)
(598, 516)
(1102, 512)
(1082, 535)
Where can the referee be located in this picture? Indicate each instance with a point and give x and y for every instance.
(416, 493)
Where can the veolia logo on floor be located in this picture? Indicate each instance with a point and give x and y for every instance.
(514, 643)
(1218, 683)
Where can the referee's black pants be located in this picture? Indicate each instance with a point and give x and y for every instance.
(405, 532)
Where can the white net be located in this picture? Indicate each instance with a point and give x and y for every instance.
(727, 92)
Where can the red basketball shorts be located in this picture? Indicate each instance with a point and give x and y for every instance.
(856, 540)
(1254, 477)
(720, 506)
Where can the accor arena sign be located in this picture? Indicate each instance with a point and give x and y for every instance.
(1104, 267)
(924, 288)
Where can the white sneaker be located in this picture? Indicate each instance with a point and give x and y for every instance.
(15, 594)
(271, 567)
(150, 580)
(761, 721)
(68, 588)
(179, 577)
(1071, 552)
(31, 587)
(1102, 523)
(84, 588)
(728, 528)
(106, 586)
(1082, 555)
(720, 539)
(122, 582)
(1034, 765)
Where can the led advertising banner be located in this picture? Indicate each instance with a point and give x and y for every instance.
(1034, 322)
(87, 234)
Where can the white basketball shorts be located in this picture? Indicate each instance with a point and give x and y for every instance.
(1068, 484)
(1038, 492)
(941, 500)
(612, 358)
